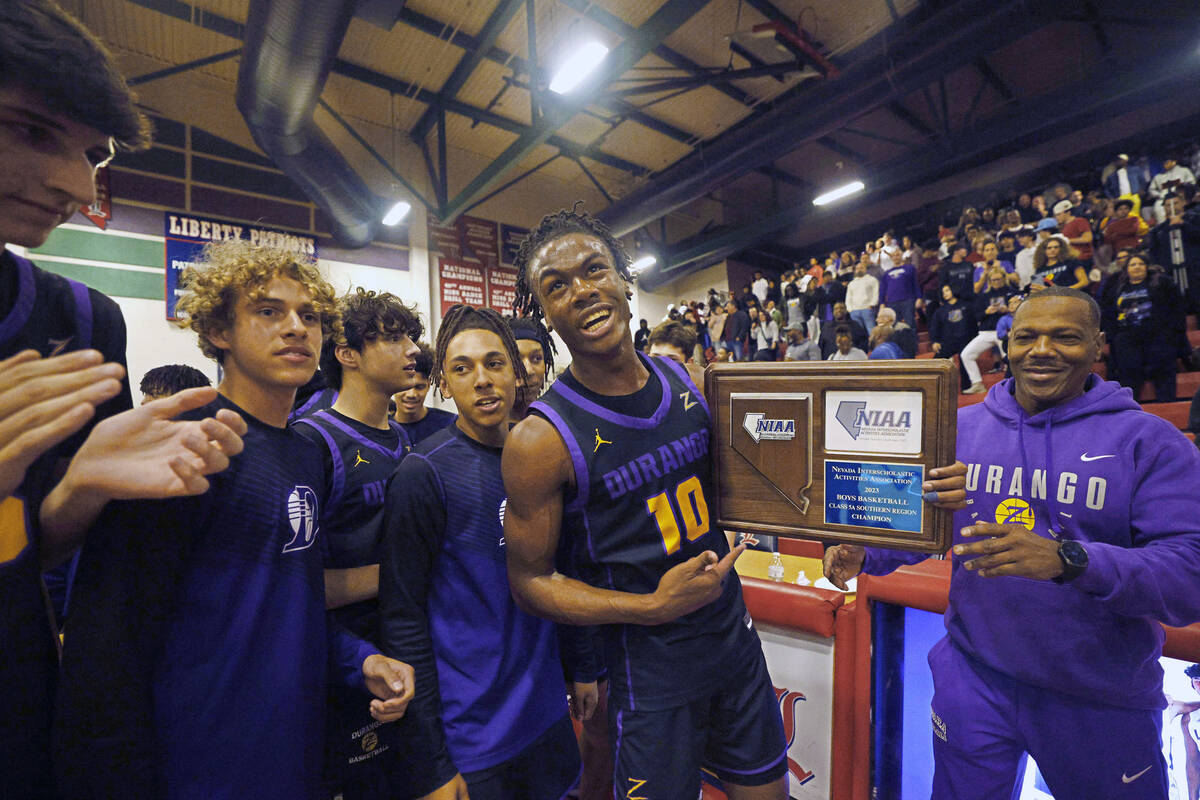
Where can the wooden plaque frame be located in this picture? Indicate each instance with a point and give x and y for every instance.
(762, 484)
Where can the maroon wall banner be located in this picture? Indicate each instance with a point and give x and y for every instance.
(461, 283)
(470, 263)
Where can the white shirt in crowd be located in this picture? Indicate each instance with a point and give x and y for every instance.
(759, 287)
(854, 355)
(1023, 265)
(862, 292)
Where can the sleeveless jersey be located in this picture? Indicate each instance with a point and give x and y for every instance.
(52, 315)
(639, 508)
(359, 461)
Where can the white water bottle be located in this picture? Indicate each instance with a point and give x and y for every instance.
(775, 568)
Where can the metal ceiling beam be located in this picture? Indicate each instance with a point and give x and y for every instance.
(186, 67)
(665, 20)
(708, 79)
(783, 176)
(943, 43)
(842, 150)
(495, 25)
(994, 80)
(1089, 100)
(902, 113)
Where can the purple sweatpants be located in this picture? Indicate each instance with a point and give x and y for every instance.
(984, 721)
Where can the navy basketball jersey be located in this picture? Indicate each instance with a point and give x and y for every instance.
(359, 460)
(640, 507)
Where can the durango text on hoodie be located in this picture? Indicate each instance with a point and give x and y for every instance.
(1099, 470)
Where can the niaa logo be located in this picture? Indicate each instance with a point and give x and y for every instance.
(854, 416)
(760, 428)
(302, 515)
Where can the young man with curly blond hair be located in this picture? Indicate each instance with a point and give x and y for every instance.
(198, 656)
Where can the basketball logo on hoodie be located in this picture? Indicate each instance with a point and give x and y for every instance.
(1015, 511)
(302, 515)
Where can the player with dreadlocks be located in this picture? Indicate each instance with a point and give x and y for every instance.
(490, 715)
(612, 465)
(537, 355)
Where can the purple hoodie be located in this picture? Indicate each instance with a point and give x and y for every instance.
(1100, 470)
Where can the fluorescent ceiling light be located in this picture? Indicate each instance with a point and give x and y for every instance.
(396, 213)
(645, 262)
(839, 193)
(578, 66)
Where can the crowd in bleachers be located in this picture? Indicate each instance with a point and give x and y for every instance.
(1131, 238)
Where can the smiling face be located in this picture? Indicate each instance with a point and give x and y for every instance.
(47, 167)
(275, 339)
(584, 299)
(1051, 348)
(410, 402)
(479, 377)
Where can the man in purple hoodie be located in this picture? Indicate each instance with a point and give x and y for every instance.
(899, 291)
(1081, 535)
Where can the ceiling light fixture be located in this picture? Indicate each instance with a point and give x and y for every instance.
(396, 213)
(578, 65)
(645, 262)
(839, 193)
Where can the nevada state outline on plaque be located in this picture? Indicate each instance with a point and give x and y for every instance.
(773, 432)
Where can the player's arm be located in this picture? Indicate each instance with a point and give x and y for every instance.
(351, 585)
(414, 526)
(140, 454)
(537, 471)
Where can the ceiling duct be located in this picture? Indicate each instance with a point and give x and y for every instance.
(290, 46)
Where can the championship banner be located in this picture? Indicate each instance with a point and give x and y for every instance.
(510, 242)
(502, 289)
(460, 283)
(186, 236)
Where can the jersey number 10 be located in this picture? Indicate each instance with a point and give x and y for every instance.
(693, 510)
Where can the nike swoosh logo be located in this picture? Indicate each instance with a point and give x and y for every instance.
(1086, 457)
(1128, 779)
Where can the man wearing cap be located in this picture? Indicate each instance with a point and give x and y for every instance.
(1076, 229)
(1174, 177)
(1124, 182)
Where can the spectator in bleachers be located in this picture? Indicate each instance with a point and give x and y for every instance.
(1023, 260)
(759, 287)
(1078, 232)
(829, 293)
(1055, 263)
(958, 273)
(990, 305)
(903, 335)
(1013, 222)
(862, 295)
(764, 333)
(1174, 178)
(1007, 241)
(991, 261)
(737, 331)
(882, 346)
(987, 220)
(1003, 326)
(841, 319)
(929, 268)
(1175, 244)
(898, 290)
(800, 347)
(951, 328)
(1124, 230)
(640, 337)
(1143, 313)
(847, 263)
(716, 322)
(794, 310)
(1080, 206)
(1029, 214)
(844, 346)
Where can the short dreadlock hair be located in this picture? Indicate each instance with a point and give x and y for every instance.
(467, 318)
(552, 227)
(46, 50)
(171, 378)
(530, 328)
(365, 316)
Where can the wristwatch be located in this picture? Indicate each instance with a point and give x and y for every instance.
(1074, 560)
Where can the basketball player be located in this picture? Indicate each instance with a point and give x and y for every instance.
(1082, 535)
(64, 111)
(613, 465)
(537, 354)
(198, 653)
(419, 420)
(490, 715)
(361, 447)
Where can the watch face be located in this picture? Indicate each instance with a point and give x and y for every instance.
(1074, 554)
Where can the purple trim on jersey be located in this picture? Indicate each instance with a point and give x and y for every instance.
(83, 314)
(687, 381)
(339, 466)
(628, 667)
(358, 437)
(756, 770)
(23, 307)
(617, 749)
(576, 399)
(312, 401)
(579, 504)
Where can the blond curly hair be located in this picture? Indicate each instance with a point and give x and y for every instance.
(229, 270)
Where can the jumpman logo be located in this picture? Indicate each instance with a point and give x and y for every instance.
(358, 459)
(688, 402)
(600, 440)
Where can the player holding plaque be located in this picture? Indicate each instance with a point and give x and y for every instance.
(613, 469)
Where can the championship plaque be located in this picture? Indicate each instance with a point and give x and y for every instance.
(835, 451)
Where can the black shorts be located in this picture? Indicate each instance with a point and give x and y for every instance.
(735, 733)
(545, 770)
(360, 752)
